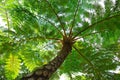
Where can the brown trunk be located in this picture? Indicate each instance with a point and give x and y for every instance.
(47, 70)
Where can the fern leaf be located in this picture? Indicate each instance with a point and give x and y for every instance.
(31, 60)
(12, 67)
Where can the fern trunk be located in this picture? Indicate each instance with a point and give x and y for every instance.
(47, 70)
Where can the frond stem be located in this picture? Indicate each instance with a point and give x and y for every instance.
(7, 20)
(57, 16)
(52, 24)
(73, 22)
(27, 11)
(98, 22)
(89, 34)
(38, 37)
(89, 62)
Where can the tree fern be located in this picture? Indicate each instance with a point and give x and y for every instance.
(35, 30)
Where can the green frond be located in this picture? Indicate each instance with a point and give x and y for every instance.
(12, 67)
(73, 63)
(31, 59)
(34, 29)
(103, 59)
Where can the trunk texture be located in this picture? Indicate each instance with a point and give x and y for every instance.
(45, 72)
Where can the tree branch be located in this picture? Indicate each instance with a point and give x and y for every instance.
(7, 19)
(57, 17)
(37, 38)
(19, 41)
(89, 34)
(89, 62)
(52, 24)
(27, 11)
(73, 22)
(98, 22)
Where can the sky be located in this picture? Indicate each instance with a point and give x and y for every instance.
(1, 22)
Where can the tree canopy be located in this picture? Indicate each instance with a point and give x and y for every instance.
(34, 33)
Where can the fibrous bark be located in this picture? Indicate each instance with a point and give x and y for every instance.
(45, 72)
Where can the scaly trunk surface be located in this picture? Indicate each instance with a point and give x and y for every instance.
(47, 70)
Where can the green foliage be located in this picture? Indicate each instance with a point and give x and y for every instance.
(12, 67)
(33, 31)
(73, 63)
(31, 60)
(81, 78)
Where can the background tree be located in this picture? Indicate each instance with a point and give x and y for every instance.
(40, 34)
